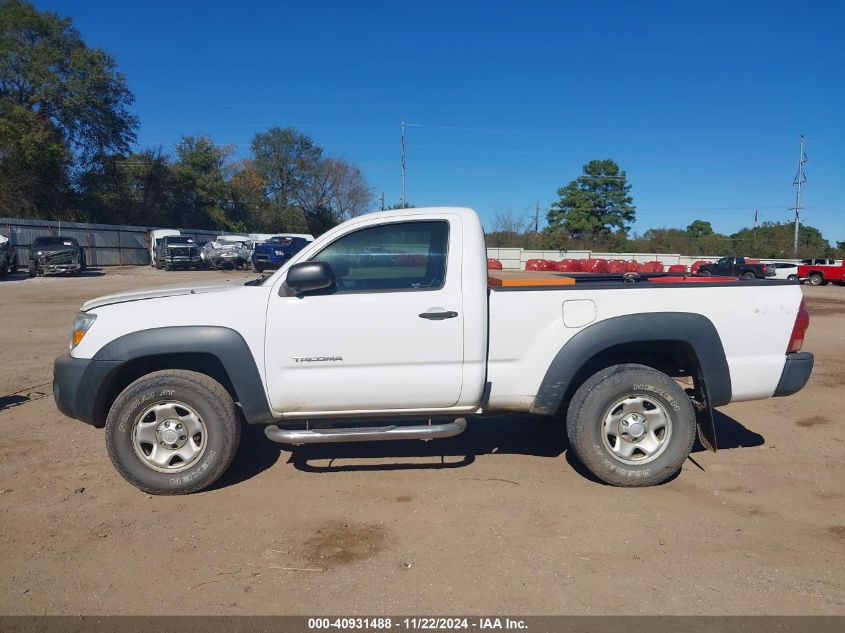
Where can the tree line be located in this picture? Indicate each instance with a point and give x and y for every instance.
(595, 212)
(66, 138)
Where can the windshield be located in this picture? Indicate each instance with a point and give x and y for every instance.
(52, 241)
(283, 241)
(180, 240)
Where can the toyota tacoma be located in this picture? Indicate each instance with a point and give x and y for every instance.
(388, 327)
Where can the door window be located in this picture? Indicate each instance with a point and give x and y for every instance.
(390, 257)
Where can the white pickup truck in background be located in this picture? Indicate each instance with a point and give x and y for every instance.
(389, 319)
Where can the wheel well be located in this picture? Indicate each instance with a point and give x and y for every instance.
(815, 272)
(130, 371)
(674, 358)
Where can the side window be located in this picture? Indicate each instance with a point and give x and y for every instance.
(740, 260)
(395, 256)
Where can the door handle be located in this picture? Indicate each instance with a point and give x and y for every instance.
(438, 314)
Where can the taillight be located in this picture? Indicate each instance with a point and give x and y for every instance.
(764, 269)
(802, 322)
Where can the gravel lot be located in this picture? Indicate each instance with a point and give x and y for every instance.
(499, 520)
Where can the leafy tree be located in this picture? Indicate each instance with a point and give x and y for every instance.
(287, 160)
(47, 69)
(594, 203)
(699, 228)
(302, 185)
(34, 165)
(774, 239)
(200, 188)
(133, 189)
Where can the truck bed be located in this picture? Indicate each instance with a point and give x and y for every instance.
(529, 324)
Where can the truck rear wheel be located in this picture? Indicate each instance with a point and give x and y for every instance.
(172, 432)
(816, 279)
(631, 425)
(748, 275)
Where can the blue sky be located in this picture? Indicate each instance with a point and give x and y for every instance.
(701, 103)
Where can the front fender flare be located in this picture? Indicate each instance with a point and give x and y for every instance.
(227, 345)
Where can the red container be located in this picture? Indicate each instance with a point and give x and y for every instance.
(594, 266)
(539, 264)
(677, 268)
(617, 266)
(494, 264)
(694, 268)
(568, 266)
(632, 266)
(650, 267)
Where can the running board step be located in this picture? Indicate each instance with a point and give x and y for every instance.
(365, 434)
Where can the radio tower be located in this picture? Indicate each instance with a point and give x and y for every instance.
(800, 179)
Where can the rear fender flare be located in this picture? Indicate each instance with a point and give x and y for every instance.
(694, 329)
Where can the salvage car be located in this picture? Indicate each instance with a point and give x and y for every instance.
(178, 251)
(51, 255)
(276, 251)
(8, 257)
(221, 253)
(409, 348)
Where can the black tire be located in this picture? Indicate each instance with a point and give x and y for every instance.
(704, 273)
(792, 277)
(13, 268)
(816, 279)
(213, 406)
(602, 394)
(33, 269)
(748, 275)
(257, 269)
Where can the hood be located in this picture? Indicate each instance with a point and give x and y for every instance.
(156, 293)
(54, 248)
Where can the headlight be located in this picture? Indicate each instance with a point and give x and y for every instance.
(280, 253)
(81, 324)
(40, 253)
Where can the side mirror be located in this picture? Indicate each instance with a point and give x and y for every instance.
(310, 276)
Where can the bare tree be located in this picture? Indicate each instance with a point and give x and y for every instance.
(507, 220)
(350, 195)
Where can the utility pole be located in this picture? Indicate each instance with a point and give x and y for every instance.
(537, 217)
(402, 198)
(800, 179)
(755, 218)
(381, 200)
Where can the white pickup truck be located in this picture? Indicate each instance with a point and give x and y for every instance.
(387, 327)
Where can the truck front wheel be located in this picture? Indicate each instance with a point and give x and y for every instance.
(816, 279)
(172, 432)
(631, 425)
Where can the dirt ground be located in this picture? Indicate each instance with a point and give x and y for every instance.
(498, 520)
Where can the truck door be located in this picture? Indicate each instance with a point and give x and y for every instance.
(389, 336)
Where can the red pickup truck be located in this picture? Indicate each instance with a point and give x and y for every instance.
(820, 275)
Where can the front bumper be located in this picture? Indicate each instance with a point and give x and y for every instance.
(183, 260)
(50, 269)
(796, 373)
(275, 261)
(77, 383)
